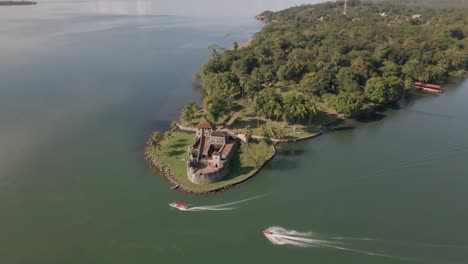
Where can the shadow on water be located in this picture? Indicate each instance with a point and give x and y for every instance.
(433, 114)
(370, 117)
(377, 114)
(290, 152)
(345, 135)
(197, 86)
(343, 128)
(283, 164)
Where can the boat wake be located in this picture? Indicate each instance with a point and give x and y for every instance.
(281, 236)
(219, 207)
(205, 208)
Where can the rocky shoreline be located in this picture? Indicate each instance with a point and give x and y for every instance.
(162, 169)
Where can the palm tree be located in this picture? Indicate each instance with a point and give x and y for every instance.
(247, 131)
(174, 126)
(194, 107)
(154, 140)
(278, 112)
(300, 112)
(188, 113)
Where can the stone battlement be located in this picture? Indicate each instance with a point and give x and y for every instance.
(210, 155)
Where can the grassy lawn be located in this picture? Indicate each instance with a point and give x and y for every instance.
(248, 117)
(173, 153)
(291, 131)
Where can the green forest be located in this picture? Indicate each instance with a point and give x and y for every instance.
(321, 57)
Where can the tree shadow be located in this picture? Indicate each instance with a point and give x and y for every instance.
(176, 152)
(327, 119)
(237, 107)
(236, 169)
(241, 123)
(178, 145)
(181, 140)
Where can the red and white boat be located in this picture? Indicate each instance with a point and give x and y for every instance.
(267, 232)
(179, 205)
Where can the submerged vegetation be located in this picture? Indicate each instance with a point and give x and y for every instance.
(314, 58)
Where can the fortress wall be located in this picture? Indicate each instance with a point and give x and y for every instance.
(207, 178)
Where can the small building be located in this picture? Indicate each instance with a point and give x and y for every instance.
(205, 128)
(210, 154)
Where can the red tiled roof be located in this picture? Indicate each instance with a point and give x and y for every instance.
(206, 148)
(218, 134)
(227, 148)
(427, 85)
(205, 125)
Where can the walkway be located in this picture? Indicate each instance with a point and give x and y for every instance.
(235, 132)
(232, 119)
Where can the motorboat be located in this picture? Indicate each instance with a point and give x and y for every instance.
(267, 232)
(179, 205)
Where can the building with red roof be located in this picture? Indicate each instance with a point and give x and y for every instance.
(210, 154)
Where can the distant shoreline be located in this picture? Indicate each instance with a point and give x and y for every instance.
(12, 3)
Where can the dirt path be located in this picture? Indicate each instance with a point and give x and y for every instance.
(232, 119)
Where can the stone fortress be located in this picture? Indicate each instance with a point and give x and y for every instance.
(210, 155)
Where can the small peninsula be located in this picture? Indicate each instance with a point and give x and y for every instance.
(12, 3)
(309, 69)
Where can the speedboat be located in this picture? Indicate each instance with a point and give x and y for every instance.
(267, 232)
(179, 205)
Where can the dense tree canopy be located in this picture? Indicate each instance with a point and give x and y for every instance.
(367, 56)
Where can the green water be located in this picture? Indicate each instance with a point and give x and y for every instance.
(83, 84)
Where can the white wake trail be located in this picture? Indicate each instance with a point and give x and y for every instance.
(303, 239)
(207, 208)
(220, 207)
(354, 238)
(282, 231)
(237, 202)
(356, 251)
(281, 241)
(281, 236)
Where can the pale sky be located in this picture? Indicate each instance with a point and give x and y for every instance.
(195, 7)
(236, 8)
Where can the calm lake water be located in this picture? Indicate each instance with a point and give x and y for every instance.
(83, 84)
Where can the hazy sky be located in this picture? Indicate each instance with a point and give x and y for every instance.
(244, 8)
(195, 7)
